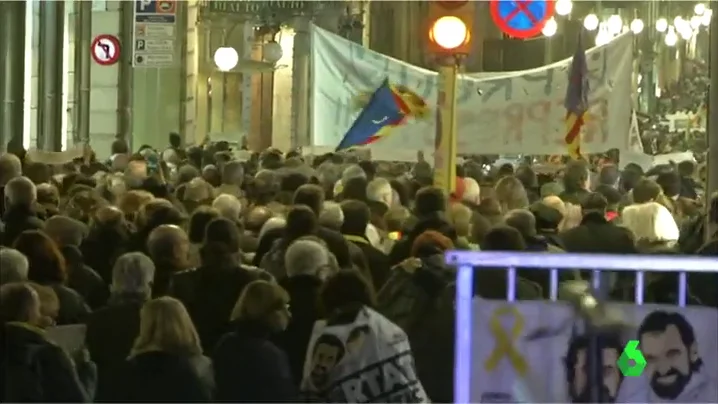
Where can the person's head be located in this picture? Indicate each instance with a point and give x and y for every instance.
(354, 188)
(356, 217)
(292, 181)
(46, 265)
(256, 218)
(271, 224)
(136, 168)
(547, 217)
(576, 176)
(331, 216)
(66, 231)
(612, 195)
(301, 221)
(228, 206)
(198, 223)
(630, 178)
(131, 202)
(233, 173)
(311, 196)
(132, 276)
(13, 266)
(503, 238)
(552, 188)
(472, 191)
(527, 176)
(344, 290)
(327, 351)
(650, 222)
(511, 194)
(577, 366)
(396, 218)
(119, 146)
(429, 201)
(668, 343)
(10, 167)
(198, 190)
(430, 243)
(380, 190)
(646, 190)
(165, 326)
(168, 246)
(609, 175)
(49, 304)
(352, 171)
(670, 183)
(158, 212)
(686, 168)
(221, 240)
(265, 304)
(20, 191)
(19, 302)
(523, 221)
(459, 216)
(307, 256)
(594, 202)
(48, 194)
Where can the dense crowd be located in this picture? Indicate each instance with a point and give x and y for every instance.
(200, 276)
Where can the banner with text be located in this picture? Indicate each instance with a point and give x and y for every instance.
(498, 113)
(511, 364)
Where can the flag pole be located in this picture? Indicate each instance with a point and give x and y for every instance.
(446, 133)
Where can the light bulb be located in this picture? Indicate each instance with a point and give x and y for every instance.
(226, 58)
(603, 37)
(637, 26)
(661, 25)
(706, 17)
(695, 22)
(614, 24)
(550, 28)
(591, 22)
(686, 34)
(699, 9)
(671, 37)
(563, 7)
(678, 22)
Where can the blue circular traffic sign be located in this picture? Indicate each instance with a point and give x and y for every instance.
(521, 18)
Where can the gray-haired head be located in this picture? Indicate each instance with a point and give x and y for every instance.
(132, 275)
(522, 220)
(66, 231)
(13, 266)
(331, 215)
(352, 171)
(20, 191)
(271, 224)
(308, 257)
(228, 206)
(10, 167)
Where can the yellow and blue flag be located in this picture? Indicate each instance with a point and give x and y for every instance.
(576, 101)
(385, 110)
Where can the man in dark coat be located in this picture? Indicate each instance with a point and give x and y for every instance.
(20, 215)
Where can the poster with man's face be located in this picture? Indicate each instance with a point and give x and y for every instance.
(577, 369)
(328, 351)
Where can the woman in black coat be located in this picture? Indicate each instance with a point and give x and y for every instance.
(166, 362)
(248, 367)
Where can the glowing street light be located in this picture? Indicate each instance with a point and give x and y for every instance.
(661, 25)
(671, 37)
(449, 32)
(637, 26)
(614, 24)
(603, 37)
(699, 9)
(563, 7)
(550, 28)
(696, 21)
(706, 17)
(226, 58)
(591, 22)
(686, 33)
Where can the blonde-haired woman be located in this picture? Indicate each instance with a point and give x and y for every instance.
(511, 194)
(248, 366)
(166, 362)
(653, 226)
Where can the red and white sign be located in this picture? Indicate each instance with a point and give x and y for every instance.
(105, 50)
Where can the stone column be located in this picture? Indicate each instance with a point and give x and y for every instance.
(12, 79)
(52, 22)
(301, 85)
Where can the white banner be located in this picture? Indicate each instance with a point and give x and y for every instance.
(498, 113)
(509, 365)
(366, 361)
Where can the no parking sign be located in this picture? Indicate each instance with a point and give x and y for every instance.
(521, 18)
(105, 50)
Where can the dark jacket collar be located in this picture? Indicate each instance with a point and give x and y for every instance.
(72, 255)
(251, 329)
(593, 218)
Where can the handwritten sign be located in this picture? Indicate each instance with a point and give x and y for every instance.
(498, 113)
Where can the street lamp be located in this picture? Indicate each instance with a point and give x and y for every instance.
(449, 32)
(550, 28)
(671, 37)
(695, 21)
(706, 17)
(661, 25)
(226, 58)
(699, 9)
(637, 26)
(272, 52)
(603, 37)
(614, 24)
(686, 32)
(563, 7)
(591, 22)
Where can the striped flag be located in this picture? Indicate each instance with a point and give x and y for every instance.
(576, 102)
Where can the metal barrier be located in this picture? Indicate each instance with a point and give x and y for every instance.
(468, 261)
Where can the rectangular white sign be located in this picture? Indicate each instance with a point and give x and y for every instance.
(154, 34)
(498, 113)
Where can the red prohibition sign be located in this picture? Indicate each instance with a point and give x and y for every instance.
(105, 50)
(521, 18)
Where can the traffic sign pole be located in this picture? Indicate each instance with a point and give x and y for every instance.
(445, 142)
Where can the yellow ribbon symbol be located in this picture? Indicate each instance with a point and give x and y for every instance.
(505, 340)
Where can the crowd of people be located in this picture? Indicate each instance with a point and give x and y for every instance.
(199, 277)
